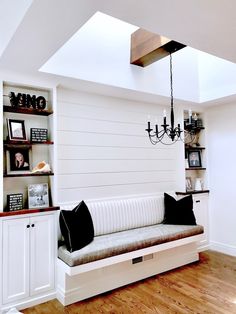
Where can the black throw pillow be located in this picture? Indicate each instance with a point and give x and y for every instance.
(178, 212)
(76, 227)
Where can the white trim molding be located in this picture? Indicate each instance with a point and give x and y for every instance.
(223, 248)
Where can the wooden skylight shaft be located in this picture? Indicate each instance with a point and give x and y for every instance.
(147, 47)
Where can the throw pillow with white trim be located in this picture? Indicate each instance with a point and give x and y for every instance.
(76, 227)
(178, 212)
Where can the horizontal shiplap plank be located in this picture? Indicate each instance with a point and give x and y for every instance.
(80, 124)
(102, 152)
(106, 114)
(110, 139)
(103, 179)
(74, 195)
(91, 166)
(70, 97)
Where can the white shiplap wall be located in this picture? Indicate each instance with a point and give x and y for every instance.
(103, 149)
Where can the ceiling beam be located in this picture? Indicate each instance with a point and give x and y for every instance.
(147, 47)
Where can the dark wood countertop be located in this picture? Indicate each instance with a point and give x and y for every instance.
(29, 211)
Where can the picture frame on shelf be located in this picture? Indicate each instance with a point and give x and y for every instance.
(38, 135)
(188, 184)
(18, 160)
(38, 196)
(194, 159)
(16, 130)
(14, 202)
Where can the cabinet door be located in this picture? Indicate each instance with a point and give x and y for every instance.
(42, 248)
(200, 207)
(15, 259)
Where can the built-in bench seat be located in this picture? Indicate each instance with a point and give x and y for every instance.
(131, 243)
(112, 244)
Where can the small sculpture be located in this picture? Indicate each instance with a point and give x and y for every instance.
(42, 167)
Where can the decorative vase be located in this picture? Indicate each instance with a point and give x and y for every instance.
(198, 184)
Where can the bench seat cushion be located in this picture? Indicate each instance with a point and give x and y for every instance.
(126, 241)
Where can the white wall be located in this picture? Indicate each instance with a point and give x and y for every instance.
(221, 148)
(104, 151)
(217, 77)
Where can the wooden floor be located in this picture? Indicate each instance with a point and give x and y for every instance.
(208, 286)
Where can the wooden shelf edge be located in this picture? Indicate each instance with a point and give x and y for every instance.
(195, 168)
(29, 211)
(195, 148)
(192, 192)
(27, 111)
(24, 143)
(196, 128)
(28, 175)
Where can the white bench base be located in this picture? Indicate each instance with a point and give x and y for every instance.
(84, 281)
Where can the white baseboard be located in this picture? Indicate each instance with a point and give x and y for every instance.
(223, 248)
(203, 248)
(23, 304)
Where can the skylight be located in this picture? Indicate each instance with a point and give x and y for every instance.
(100, 52)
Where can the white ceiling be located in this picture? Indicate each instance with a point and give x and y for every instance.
(207, 25)
(11, 14)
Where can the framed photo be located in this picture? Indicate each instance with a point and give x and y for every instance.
(14, 202)
(18, 159)
(188, 183)
(16, 130)
(194, 159)
(38, 195)
(38, 135)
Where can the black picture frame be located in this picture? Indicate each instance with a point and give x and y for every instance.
(14, 202)
(16, 130)
(194, 159)
(38, 135)
(19, 159)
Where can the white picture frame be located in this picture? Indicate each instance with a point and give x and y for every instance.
(38, 196)
(16, 130)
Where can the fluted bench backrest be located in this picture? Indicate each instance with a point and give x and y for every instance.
(117, 215)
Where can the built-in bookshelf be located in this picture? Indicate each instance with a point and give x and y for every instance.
(27, 110)
(195, 156)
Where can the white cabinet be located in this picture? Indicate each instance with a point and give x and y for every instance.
(42, 244)
(15, 259)
(200, 208)
(28, 257)
(201, 212)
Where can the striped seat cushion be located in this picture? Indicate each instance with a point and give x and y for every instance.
(119, 215)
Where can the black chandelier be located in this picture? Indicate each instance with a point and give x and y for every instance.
(169, 134)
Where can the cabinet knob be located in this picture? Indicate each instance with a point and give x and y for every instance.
(28, 226)
(32, 225)
(198, 201)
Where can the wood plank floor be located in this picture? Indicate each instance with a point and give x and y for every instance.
(208, 286)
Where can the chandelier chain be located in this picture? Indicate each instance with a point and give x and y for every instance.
(171, 82)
